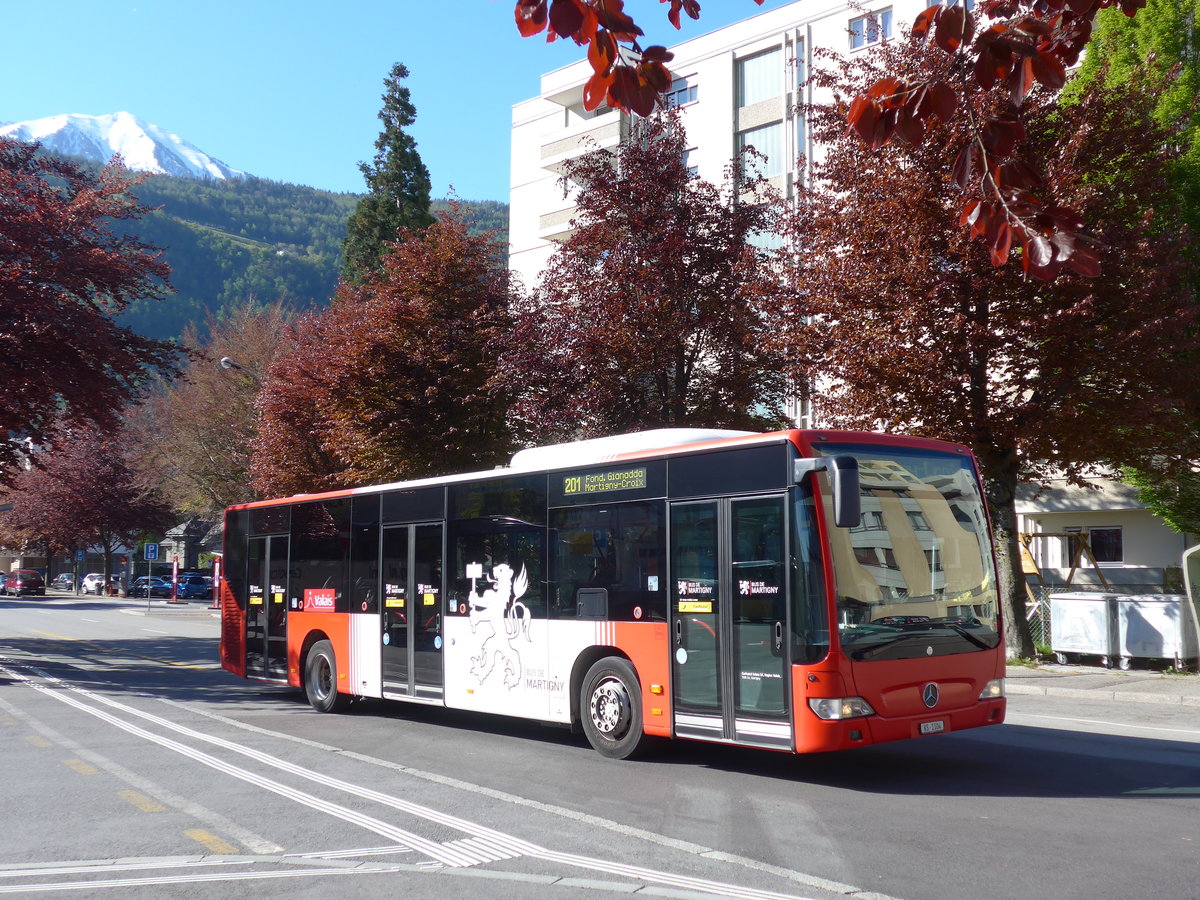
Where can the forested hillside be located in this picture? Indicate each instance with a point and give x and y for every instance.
(229, 240)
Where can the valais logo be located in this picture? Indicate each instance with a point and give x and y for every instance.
(319, 599)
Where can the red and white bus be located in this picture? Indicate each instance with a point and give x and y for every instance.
(800, 590)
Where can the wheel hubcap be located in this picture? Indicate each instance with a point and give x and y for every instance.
(610, 708)
(323, 678)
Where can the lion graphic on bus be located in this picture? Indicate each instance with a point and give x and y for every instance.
(499, 608)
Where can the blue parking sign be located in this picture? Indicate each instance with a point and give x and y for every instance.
(151, 552)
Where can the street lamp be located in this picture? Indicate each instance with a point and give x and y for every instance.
(227, 363)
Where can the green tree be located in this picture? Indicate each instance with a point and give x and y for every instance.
(1162, 37)
(397, 181)
(398, 378)
(1174, 497)
(919, 332)
(649, 313)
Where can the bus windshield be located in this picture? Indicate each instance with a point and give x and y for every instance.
(915, 577)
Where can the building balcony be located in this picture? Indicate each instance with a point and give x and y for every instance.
(581, 136)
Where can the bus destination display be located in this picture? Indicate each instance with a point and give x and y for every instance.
(603, 482)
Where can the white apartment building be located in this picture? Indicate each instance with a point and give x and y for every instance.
(736, 86)
(739, 86)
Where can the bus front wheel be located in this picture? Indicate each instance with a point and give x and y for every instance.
(320, 679)
(611, 709)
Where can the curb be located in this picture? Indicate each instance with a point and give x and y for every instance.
(1099, 694)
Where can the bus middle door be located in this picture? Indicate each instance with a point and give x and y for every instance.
(412, 611)
(729, 619)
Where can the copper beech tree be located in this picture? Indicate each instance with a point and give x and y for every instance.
(83, 495)
(649, 313)
(914, 330)
(66, 272)
(1003, 49)
(397, 379)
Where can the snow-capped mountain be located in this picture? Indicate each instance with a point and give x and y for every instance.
(143, 146)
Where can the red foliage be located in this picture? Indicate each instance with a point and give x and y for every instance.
(648, 315)
(624, 75)
(65, 273)
(914, 330)
(82, 495)
(1027, 43)
(397, 379)
(988, 79)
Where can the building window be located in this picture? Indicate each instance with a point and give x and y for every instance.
(767, 140)
(801, 62)
(681, 93)
(758, 77)
(689, 162)
(1107, 546)
(870, 29)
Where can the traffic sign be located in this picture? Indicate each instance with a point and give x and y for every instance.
(151, 551)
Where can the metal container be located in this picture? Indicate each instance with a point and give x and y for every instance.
(1156, 626)
(1084, 623)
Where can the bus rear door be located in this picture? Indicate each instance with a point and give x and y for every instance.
(266, 612)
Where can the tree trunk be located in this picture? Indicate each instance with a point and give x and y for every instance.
(1000, 485)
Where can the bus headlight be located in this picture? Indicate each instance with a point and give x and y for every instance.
(993, 690)
(840, 707)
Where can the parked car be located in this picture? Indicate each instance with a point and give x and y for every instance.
(25, 581)
(150, 586)
(63, 582)
(94, 581)
(194, 587)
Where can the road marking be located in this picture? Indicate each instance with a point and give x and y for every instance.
(210, 840)
(448, 855)
(142, 802)
(38, 741)
(81, 767)
(155, 631)
(215, 820)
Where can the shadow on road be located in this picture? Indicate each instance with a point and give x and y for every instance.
(1000, 761)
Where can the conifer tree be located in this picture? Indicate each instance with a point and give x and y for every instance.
(398, 184)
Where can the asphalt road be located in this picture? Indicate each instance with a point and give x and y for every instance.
(134, 764)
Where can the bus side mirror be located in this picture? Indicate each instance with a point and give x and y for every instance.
(843, 475)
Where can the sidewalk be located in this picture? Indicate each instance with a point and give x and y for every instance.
(1096, 683)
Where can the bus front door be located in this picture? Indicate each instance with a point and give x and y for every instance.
(412, 611)
(729, 619)
(266, 612)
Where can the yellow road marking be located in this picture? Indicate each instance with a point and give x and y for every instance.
(7, 720)
(210, 840)
(103, 649)
(141, 801)
(38, 741)
(81, 767)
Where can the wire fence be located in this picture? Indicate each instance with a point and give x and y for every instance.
(1038, 610)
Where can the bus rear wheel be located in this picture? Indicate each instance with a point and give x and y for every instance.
(320, 679)
(610, 705)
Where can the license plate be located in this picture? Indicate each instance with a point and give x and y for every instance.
(933, 727)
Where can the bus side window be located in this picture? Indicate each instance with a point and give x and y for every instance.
(507, 559)
(616, 549)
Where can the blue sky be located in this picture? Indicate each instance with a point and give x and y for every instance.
(290, 89)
